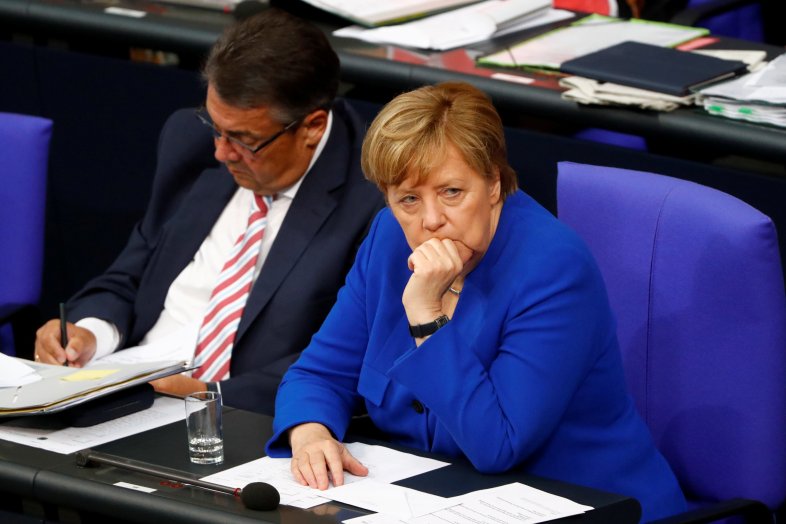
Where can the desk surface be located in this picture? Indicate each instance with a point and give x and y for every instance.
(54, 479)
(192, 31)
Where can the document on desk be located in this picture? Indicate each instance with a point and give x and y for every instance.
(178, 345)
(61, 387)
(15, 372)
(510, 504)
(462, 27)
(165, 410)
(589, 35)
(385, 466)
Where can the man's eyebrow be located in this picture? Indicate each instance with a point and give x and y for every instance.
(238, 134)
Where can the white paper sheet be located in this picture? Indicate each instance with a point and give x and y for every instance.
(510, 504)
(587, 36)
(462, 27)
(390, 499)
(14, 372)
(385, 465)
(176, 346)
(164, 410)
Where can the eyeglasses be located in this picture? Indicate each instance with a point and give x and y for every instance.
(203, 117)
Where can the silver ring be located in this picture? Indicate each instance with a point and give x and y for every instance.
(456, 292)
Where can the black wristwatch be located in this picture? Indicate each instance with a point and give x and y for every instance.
(424, 330)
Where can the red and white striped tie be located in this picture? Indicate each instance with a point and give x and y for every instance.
(217, 334)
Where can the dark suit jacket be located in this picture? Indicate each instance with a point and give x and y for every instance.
(299, 280)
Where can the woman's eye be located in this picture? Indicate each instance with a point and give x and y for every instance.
(452, 191)
(408, 199)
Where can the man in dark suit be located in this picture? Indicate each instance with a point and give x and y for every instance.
(288, 156)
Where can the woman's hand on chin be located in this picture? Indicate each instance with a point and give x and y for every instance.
(435, 264)
(316, 454)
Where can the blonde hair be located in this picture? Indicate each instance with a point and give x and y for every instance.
(413, 132)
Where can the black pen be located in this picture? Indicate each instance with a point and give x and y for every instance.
(63, 329)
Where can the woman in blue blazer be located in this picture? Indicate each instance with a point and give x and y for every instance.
(472, 323)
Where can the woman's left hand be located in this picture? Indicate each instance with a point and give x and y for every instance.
(317, 457)
(435, 264)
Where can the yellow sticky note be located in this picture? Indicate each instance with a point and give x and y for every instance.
(88, 374)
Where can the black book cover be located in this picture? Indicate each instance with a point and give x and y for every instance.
(652, 67)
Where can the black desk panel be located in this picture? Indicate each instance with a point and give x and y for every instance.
(56, 481)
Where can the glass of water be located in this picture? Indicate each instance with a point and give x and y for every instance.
(205, 433)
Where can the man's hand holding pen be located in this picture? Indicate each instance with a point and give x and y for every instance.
(79, 348)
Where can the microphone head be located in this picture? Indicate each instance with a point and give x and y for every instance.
(247, 8)
(83, 458)
(260, 496)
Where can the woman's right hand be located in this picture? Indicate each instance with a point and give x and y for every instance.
(435, 264)
(315, 454)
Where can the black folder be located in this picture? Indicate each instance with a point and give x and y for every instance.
(652, 67)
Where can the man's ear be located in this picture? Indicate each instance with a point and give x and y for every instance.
(314, 125)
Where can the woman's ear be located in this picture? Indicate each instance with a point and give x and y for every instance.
(495, 186)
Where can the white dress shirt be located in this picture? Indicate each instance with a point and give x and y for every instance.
(188, 296)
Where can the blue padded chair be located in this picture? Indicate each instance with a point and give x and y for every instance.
(733, 18)
(694, 278)
(24, 153)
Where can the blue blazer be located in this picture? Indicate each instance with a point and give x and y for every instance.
(306, 266)
(526, 374)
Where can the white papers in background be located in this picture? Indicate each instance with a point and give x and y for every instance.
(385, 465)
(756, 97)
(774, 75)
(164, 410)
(588, 91)
(754, 59)
(760, 114)
(510, 504)
(766, 85)
(373, 12)
(462, 27)
(14, 372)
(587, 36)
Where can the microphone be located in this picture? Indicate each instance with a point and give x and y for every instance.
(256, 495)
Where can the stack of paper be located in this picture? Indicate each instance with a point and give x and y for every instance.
(509, 504)
(381, 12)
(588, 35)
(588, 91)
(60, 387)
(757, 97)
(462, 27)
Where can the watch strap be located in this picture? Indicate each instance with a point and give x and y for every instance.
(424, 330)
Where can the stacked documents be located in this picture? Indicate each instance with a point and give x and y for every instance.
(588, 91)
(462, 27)
(757, 97)
(59, 387)
(381, 12)
(589, 35)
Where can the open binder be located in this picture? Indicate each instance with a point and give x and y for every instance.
(63, 387)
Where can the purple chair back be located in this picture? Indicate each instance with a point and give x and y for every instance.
(695, 280)
(745, 22)
(24, 153)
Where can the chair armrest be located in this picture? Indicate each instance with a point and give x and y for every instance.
(691, 15)
(751, 510)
